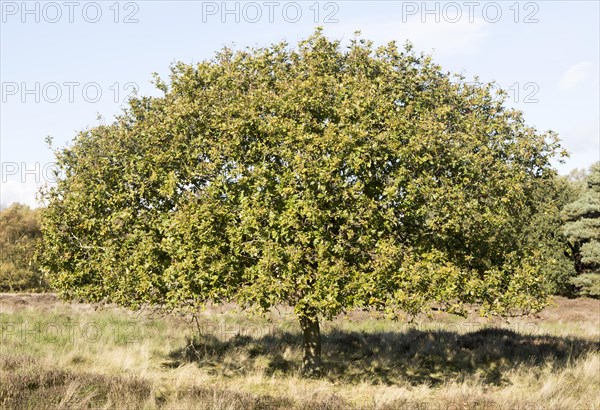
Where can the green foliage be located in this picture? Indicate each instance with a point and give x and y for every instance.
(20, 234)
(588, 284)
(593, 179)
(544, 233)
(582, 230)
(590, 254)
(319, 177)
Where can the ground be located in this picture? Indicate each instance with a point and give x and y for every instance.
(59, 355)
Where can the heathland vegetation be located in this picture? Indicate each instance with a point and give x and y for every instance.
(58, 355)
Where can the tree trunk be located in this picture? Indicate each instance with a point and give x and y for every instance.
(311, 365)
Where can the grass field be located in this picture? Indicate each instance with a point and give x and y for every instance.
(57, 355)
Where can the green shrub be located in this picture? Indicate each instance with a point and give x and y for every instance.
(588, 284)
(19, 236)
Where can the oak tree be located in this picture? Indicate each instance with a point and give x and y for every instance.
(319, 176)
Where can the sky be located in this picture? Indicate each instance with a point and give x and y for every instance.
(70, 65)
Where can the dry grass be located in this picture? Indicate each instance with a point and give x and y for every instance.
(56, 355)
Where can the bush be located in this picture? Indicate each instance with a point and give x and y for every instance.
(588, 284)
(20, 234)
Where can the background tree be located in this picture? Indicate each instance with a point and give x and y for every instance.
(320, 177)
(544, 232)
(20, 234)
(582, 230)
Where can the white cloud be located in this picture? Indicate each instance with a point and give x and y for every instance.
(21, 182)
(583, 142)
(17, 191)
(445, 38)
(575, 75)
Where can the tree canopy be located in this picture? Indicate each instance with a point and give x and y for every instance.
(319, 176)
